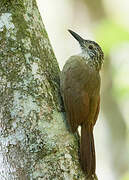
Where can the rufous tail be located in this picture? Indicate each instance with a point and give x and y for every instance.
(87, 151)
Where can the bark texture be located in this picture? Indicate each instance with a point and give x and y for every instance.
(34, 141)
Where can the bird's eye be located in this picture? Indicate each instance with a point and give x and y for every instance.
(90, 47)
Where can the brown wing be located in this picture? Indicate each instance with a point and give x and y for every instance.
(76, 105)
(97, 111)
(78, 84)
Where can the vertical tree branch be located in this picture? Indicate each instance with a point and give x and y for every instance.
(34, 141)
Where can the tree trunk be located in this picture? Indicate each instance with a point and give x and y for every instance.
(34, 140)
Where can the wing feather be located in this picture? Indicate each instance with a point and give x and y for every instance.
(77, 90)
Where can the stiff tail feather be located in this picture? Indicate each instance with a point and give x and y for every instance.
(87, 151)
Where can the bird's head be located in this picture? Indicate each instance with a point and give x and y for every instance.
(90, 50)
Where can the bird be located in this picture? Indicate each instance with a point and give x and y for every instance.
(80, 90)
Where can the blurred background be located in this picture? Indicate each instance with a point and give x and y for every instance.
(106, 22)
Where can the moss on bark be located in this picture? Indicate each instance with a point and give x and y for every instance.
(34, 141)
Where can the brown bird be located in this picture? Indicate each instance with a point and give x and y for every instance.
(80, 89)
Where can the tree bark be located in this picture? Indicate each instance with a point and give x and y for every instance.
(34, 140)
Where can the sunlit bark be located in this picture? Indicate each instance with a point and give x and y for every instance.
(34, 141)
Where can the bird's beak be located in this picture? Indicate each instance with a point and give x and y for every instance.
(77, 37)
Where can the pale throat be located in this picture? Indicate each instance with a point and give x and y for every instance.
(93, 62)
(85, 55)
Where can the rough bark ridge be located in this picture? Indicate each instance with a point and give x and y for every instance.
(34, 142)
